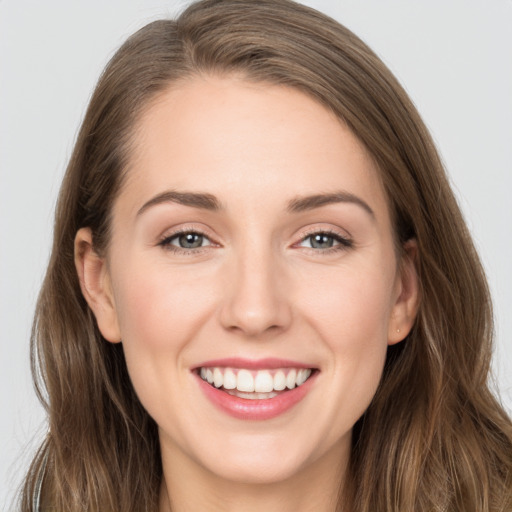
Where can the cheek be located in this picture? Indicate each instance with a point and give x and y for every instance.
(352, 318)
(160, 309)
(352, 307)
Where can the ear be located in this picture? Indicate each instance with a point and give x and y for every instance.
(96, 286)
(406, 295)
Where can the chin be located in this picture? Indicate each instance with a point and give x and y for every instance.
(266, 469)
(263, 459)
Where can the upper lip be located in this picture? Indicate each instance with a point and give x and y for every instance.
(268, 363)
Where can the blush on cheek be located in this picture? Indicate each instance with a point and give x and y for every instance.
(159, 313)
(353, 307)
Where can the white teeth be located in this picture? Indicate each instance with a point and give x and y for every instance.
(259, 384)
(279, 381)
(218, 378)
(263, 383)
(229, 380)
(252, 396)
(291, 379)
(302, 376)
(245, 381)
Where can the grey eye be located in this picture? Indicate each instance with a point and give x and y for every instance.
(322, 241)
(326, 240)
(189, 240)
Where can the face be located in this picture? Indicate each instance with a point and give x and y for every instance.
(251, 247)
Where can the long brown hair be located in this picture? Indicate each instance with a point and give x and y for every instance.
(434, 437)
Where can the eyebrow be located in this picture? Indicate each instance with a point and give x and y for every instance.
(193, 199)
(296, 205)
(305, 203)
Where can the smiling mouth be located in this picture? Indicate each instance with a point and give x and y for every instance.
(255, 384)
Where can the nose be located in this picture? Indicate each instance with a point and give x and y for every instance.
(255, 300)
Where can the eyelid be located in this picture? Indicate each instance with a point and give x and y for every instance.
(345, 241)
(164, 240)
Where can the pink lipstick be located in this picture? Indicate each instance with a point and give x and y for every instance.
(255, 389)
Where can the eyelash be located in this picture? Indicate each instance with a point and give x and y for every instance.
(167, 245)
(343, 243)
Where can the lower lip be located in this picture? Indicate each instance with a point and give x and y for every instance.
(264, 409)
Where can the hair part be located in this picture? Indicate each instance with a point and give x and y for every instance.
(434, 437)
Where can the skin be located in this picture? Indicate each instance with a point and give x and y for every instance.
(256, 288)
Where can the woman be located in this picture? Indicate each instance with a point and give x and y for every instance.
(262, 293)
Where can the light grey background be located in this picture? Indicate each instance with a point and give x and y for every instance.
(453, 56)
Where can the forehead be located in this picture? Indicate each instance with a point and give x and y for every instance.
(237, 139)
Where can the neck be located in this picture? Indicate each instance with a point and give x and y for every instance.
(315, 487)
